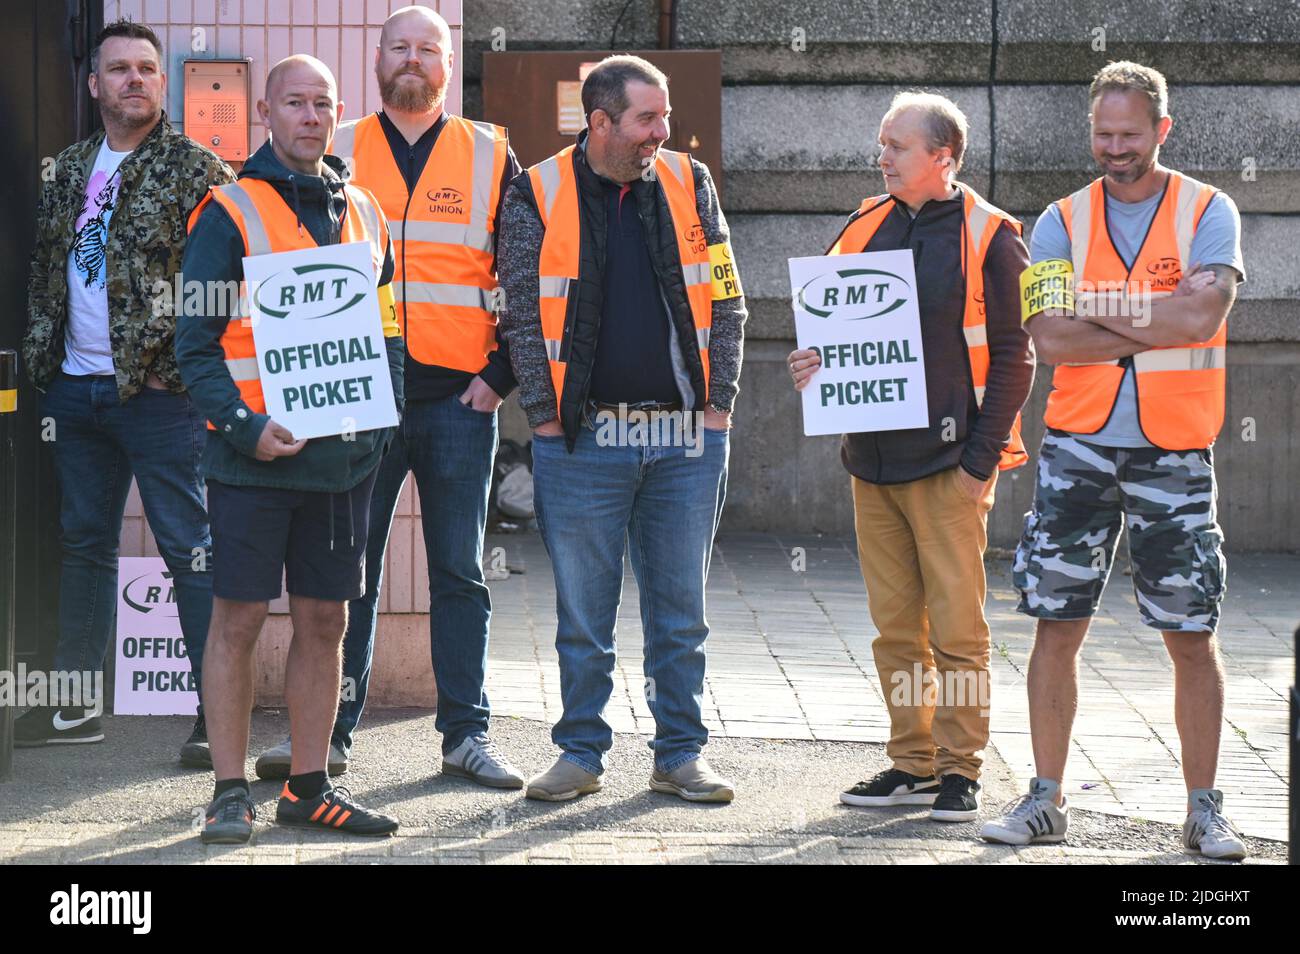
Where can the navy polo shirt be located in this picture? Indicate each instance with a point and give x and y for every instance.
(633, 361)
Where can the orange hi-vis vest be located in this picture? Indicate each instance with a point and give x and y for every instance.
(269, 225)
(555, 188)
(1180, 389)
(443, 232)
(981, 223)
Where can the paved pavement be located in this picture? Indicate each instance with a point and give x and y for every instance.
(796, 714)
(790, 658)
(126, 802)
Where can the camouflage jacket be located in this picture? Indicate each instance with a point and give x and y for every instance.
(162, 181)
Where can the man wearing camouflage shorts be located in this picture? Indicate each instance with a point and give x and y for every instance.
(1128, 294)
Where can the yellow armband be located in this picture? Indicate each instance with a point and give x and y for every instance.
(722, 270)
(388, 311)
(1044, 285)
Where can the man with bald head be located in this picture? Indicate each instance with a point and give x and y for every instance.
(283, 507)
(440, 180)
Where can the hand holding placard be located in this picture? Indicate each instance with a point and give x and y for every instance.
(859, 336)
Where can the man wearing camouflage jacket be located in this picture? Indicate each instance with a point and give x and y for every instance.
(104, 277)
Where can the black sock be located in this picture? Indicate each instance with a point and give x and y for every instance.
(226, 784)
(307, 785)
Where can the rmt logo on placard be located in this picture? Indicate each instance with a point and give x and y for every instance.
(77, 907)
(853, 294)
(331, 289)
(151, 591)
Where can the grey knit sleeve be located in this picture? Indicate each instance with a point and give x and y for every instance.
(726, 339)
(519, 249)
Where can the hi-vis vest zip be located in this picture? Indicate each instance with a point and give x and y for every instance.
(269, 225)
(1180, 389)
(442, 233)
(555, 187)
(982, 222)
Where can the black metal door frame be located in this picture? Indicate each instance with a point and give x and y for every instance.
(44, 107)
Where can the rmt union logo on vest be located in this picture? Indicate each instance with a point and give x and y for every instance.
(853, 294)
(330, 288)
(446, 201)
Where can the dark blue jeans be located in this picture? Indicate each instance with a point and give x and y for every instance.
(450, 449)
(99, 444)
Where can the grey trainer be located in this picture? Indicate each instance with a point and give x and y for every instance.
(1032, 819)
(479, 760)
(694, 781)
(562, 781)
(274, 762)
(1207, 831)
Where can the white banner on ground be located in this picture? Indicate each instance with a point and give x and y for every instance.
(859, 313)
(152, 673)
(320, 341)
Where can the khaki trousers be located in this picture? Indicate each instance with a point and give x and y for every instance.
(921, 546)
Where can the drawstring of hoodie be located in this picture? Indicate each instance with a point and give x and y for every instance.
(297, 210)
(352, 541)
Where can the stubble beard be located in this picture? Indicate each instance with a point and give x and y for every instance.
(114, 115)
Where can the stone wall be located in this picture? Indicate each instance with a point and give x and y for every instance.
(797, 127)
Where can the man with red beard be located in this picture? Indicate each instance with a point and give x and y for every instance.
(439, 179)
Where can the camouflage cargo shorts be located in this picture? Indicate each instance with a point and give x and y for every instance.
(1084, 495)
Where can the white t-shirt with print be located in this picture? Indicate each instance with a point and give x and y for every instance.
(88, 350)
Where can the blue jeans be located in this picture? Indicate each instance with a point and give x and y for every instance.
(99, 444)
(450, 448)
(663, 505)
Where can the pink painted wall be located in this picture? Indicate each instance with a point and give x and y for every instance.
(342, 33)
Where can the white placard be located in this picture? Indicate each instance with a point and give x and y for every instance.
(320, 340)
(859, 312)
(152, 671)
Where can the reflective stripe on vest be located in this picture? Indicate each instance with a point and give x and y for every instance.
(1181, 388)
(267, 224)
(981, 223)
(443, 234)
(556, 193)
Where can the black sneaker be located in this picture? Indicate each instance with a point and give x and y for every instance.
(229, 819)
(958, 801)
(334, 810)
(195, 752)
(49, 725)
(892, 787)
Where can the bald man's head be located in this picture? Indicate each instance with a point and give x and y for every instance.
(299, 67)
(413, 61)
(302, 110)
(418, 18)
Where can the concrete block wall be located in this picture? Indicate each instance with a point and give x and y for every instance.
(805, 85)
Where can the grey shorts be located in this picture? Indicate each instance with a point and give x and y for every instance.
(1085, 495)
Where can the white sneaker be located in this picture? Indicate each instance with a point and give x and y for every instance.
(1207, 831)
(1029, 820)
(479, 760)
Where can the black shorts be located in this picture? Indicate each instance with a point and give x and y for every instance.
(315, 540)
